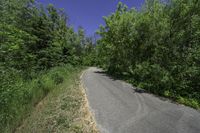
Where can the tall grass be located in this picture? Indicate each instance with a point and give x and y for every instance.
(18, 96)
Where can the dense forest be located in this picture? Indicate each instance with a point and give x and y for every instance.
(156, 48)
(34, 41)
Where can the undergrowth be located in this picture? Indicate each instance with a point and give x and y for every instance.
(63, 110)
(19, 96)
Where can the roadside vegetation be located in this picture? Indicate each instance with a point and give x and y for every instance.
(64, 109)
(156, 48)
(37, 48)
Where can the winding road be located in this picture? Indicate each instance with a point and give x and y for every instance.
(120, 108)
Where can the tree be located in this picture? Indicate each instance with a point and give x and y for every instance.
(157, 47)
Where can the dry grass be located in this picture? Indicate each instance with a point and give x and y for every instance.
(64, 110)
(87, 117)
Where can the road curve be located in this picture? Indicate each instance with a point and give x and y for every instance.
(120, 108)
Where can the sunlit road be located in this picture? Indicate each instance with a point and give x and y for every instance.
(120, 108)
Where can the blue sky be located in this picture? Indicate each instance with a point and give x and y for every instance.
(89, 13)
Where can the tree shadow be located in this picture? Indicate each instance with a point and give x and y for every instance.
(124, 78)
(113, 76)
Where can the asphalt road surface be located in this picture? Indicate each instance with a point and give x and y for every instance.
(120, 108)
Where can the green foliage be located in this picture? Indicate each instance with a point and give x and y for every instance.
(158, 47)
(152, 78)
(37, 38)
(57, 78)
(89, 52)
(18, 96)
(33, 40)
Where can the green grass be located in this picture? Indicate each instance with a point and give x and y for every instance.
(63, 109)
(19, 97)
(189, 102)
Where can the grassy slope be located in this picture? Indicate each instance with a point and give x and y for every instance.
(63, 110)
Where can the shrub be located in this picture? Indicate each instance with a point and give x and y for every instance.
(57, 78)
(152, 78)
(19, 95)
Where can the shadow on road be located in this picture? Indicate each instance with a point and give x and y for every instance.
(120, 78)
(127, 77)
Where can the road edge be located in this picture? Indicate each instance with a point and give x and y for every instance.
(86, 105)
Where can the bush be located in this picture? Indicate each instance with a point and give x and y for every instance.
(57, 78)
(152, 78)
(189, 101)
(161, 53)
(18, 96)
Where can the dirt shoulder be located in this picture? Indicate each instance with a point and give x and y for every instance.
(64, 110)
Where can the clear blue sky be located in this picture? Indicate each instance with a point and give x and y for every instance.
(88, 13)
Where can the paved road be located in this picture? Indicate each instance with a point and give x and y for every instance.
(120, 108)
